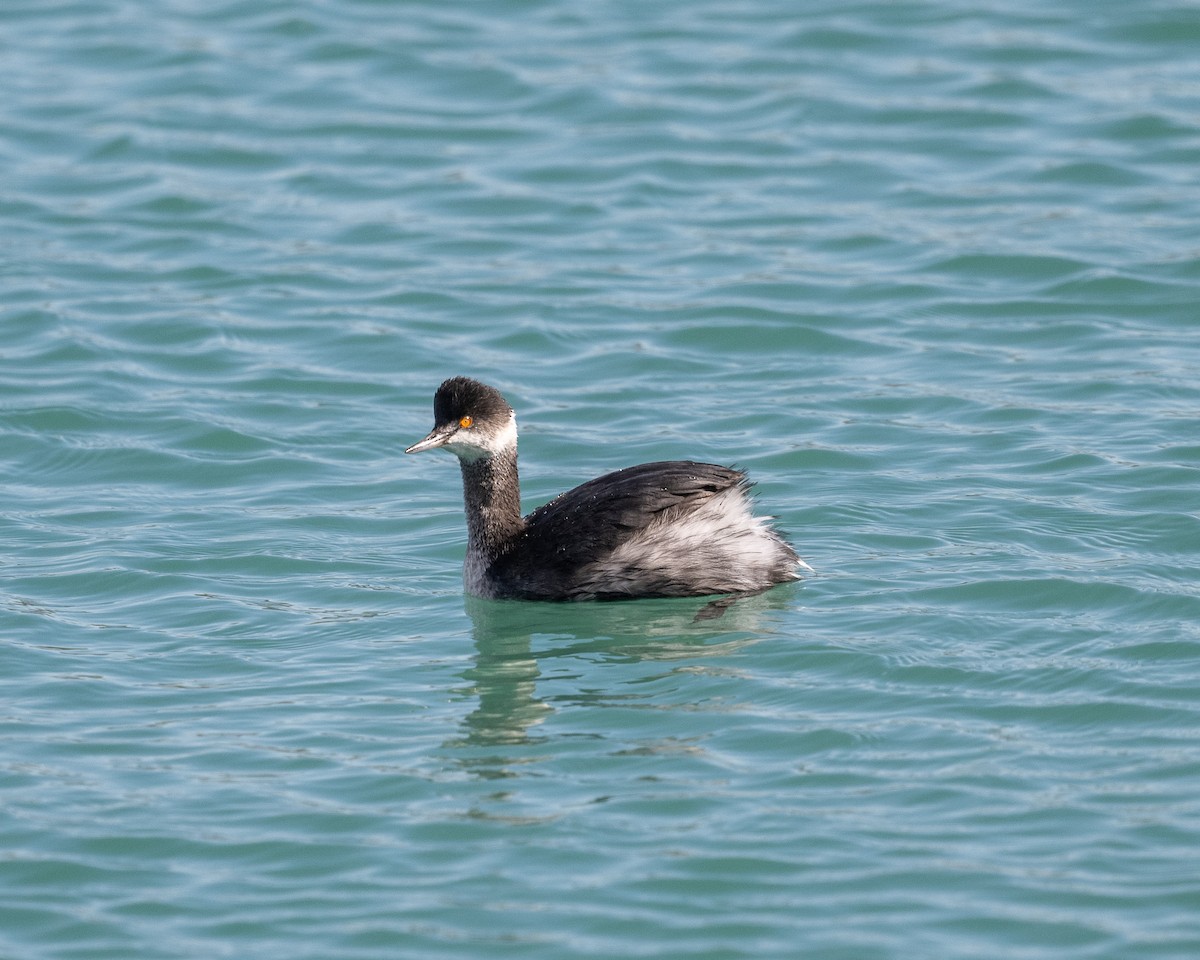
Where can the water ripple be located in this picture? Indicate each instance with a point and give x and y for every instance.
(927, 270)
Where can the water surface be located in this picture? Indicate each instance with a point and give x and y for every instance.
(928, 270)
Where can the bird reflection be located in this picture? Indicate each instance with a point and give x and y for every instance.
(506, 671)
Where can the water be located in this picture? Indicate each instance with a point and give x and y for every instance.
(929, 271)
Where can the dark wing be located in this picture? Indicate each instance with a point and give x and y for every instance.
(577, 527)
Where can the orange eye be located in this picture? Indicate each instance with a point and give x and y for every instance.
(465, 422)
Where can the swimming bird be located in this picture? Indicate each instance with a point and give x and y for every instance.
(668, 529)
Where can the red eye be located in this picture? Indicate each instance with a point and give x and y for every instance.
(465, 422)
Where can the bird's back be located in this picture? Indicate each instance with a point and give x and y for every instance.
(667, 529)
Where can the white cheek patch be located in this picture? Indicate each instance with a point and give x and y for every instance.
(507, 438)
(474, 444)
(465, 450)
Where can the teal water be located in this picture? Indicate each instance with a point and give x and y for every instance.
(929, 270)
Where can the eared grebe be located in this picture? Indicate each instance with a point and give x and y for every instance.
(671, 529)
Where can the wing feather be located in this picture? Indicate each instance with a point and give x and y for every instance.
(590, 521)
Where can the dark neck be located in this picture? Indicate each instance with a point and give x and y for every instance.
(492, 494)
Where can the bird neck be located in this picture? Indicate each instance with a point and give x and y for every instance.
(492, 494)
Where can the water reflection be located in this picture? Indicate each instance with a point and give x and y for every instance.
(514, 640)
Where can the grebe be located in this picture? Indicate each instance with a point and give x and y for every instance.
(669, 529)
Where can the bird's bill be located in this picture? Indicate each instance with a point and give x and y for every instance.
(438, 437)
